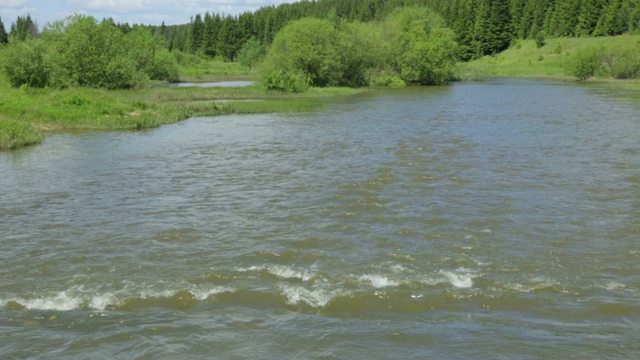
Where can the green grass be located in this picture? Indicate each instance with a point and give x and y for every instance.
(26, 112)
(524, 59)
(14, 133)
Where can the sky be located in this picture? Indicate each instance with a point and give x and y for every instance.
(149, 12)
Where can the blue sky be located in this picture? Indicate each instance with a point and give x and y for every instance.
(152, 12)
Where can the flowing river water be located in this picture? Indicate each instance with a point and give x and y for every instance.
(478, 220)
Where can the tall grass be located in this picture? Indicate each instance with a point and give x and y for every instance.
(14, 133)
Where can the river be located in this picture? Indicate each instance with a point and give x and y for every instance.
(487, 220)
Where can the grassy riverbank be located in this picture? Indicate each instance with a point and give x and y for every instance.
(26, 113)
(525, 59)
(553, 61)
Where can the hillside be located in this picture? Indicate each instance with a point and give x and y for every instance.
(527, 60)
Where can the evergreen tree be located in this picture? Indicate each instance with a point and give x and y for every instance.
(211, 28)
(480, 33)
(612, 21)
(162, 32)
(227, 39)
(197, 34)
(4, 37)
(516, 9)
(498, 30)
(566, 17)
(24, 28)
(588, 17)
(463, 26)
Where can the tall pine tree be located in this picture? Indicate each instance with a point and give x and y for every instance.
(587, 17)
(4, 37)
(197, 34)
(499, 31)
(24, 28)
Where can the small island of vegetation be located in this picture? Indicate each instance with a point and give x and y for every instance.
(82, 73)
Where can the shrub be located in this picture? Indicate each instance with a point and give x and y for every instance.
(624, 63)
(558, 48)
(26, 64)
(586, 62)
(540, 41)
(163, 66)
(384, 77)
(295, 81)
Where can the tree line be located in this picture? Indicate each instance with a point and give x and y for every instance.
(482, 27)
(479, 27)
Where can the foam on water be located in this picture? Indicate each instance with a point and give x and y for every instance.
(614, 286)
(60, 301)
(78, 298)
(316, 298)
(461, 278)
(203, 294)
(378, 281)
(535, 284)
(283, 271)
(397, 268)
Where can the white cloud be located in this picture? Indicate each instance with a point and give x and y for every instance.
(13, 3)
(151, 12)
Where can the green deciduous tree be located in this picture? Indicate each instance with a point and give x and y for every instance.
(362, 52)
(82, 52)
(251, 53)
(26, 64)
(95, 54)
(424, 51)
(148, 53)
(307, 46)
